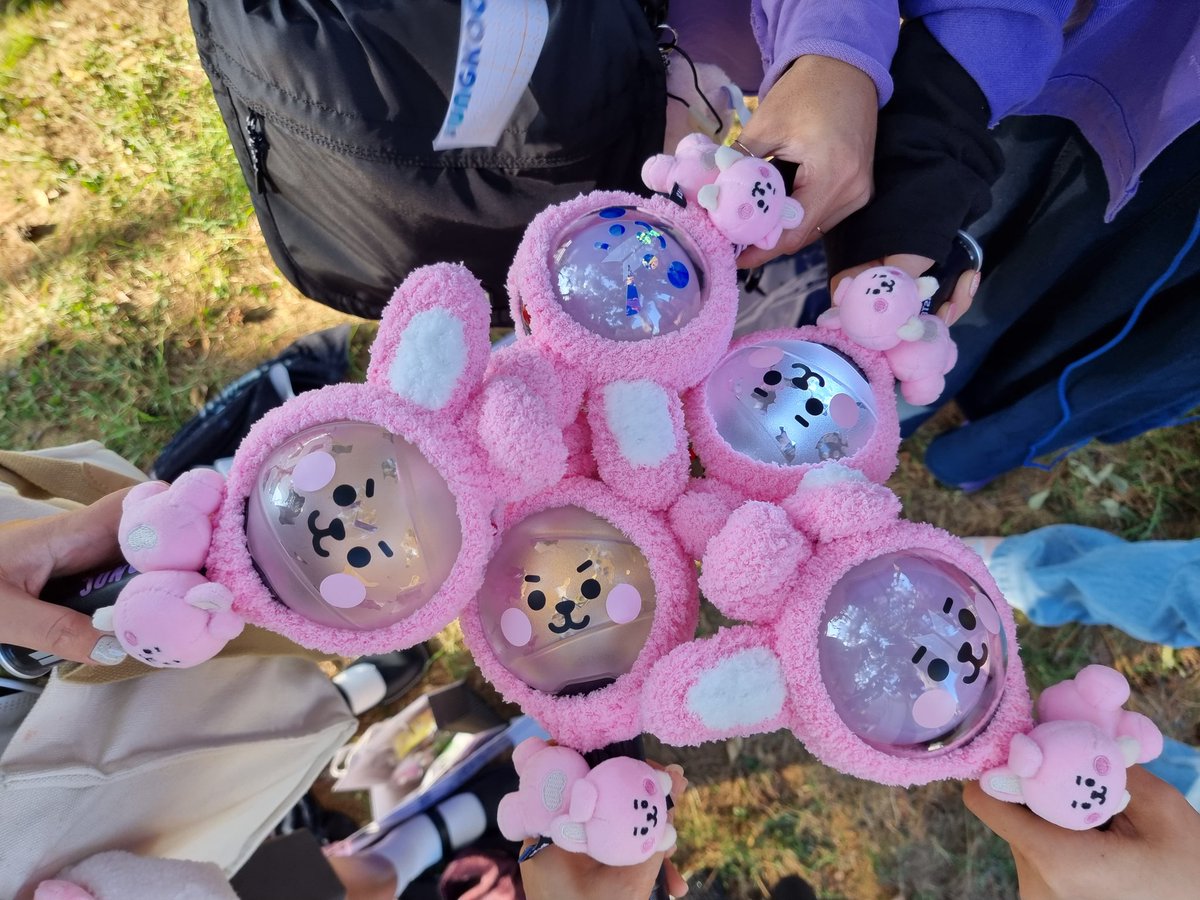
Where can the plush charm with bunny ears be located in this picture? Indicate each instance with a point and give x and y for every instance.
(616, 813)
(632, 300)
(745, 197)
(118, 875)
(356, 518)
(1070, 769)
(883, 645)
(880, 309)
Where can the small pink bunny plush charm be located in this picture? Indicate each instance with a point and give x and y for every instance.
(170, 616)
(547, 775)
(693, 166)
(172, 619)
(921, 365)
(880, 309)
(170, 529)
(1070, 769)
(617, 814)
(748, 201)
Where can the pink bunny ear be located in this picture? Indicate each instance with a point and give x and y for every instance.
(1103, 687)
(520, 437)
(583, 801)
(561, 388)
(668, 839)
(140, 492)
(432, 346)
(639, 441)
(211, 597)
(793, 213)
(526, 750)
(841, 290)
(61, 890)
(202, 489)
(1002, 784)
(1024, 756)
(729, 685)
(1135, 726)
(750, 566)
(770, 239)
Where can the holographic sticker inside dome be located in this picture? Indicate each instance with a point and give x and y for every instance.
(912, 653)
(624, 274)
(791, 403)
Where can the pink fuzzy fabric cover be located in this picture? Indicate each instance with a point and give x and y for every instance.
(586, 722)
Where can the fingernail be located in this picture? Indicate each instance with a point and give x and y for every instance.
(108, 651)
(975, 284)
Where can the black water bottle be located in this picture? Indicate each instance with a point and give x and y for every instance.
(83, 593)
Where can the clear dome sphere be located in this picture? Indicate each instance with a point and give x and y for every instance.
(624, 274)
(351, 526)
(912, 653)
(567, 602)
(791, 403)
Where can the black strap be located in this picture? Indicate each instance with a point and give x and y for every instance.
(443, 833)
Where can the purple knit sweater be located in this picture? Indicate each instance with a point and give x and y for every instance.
(1129, 76)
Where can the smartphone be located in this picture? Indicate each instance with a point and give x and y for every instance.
(964, 254)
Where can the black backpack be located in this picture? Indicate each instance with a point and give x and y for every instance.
(332, 107)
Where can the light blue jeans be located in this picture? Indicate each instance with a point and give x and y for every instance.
(1148, 589)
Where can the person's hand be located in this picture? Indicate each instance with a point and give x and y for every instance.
(821, 114)
(553, 873)
(1150, 848)
(34, 551)
(916, 266)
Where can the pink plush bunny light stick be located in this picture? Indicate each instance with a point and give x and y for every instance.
(356, 518)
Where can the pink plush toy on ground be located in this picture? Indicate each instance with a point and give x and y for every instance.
(616, 813)
(880, 309)
(356, 518)
(1070, 769)
(745, 197)
(883, 645)
(117, 875)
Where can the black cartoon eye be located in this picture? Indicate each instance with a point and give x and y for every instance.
(536, 600)
(1090, 782)
(761, 204)
(590, 589)
(939, 669)
(359, 557)
(813, 406)
(772, 378)
(645, 804)
(966, 618)
(645, 830)
(344, 495)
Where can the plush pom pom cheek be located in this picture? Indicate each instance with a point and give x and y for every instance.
(648, 845)
(843, 410)
(649, 787)
(1101, 765)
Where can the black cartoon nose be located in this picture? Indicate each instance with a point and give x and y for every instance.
(652, 816)
(1101, 794)
(564, 607)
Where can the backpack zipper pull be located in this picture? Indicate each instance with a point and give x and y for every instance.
(258, 151)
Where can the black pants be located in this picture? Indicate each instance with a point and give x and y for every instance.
(1059, 283)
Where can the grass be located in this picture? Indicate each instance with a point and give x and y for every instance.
(148, 288)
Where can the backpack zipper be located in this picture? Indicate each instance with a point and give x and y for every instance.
(256, 136)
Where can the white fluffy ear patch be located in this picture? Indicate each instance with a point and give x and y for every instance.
(430, 359)
(638, 413)
(745, 689)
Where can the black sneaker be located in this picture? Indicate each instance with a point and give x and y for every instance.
(371, 680)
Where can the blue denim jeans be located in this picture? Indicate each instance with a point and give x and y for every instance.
(1148, 589)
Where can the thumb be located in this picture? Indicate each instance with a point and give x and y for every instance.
(33, 623)
(1012, 822)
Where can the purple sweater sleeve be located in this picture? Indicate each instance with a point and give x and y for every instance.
(859, 32)
(1009, 47)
